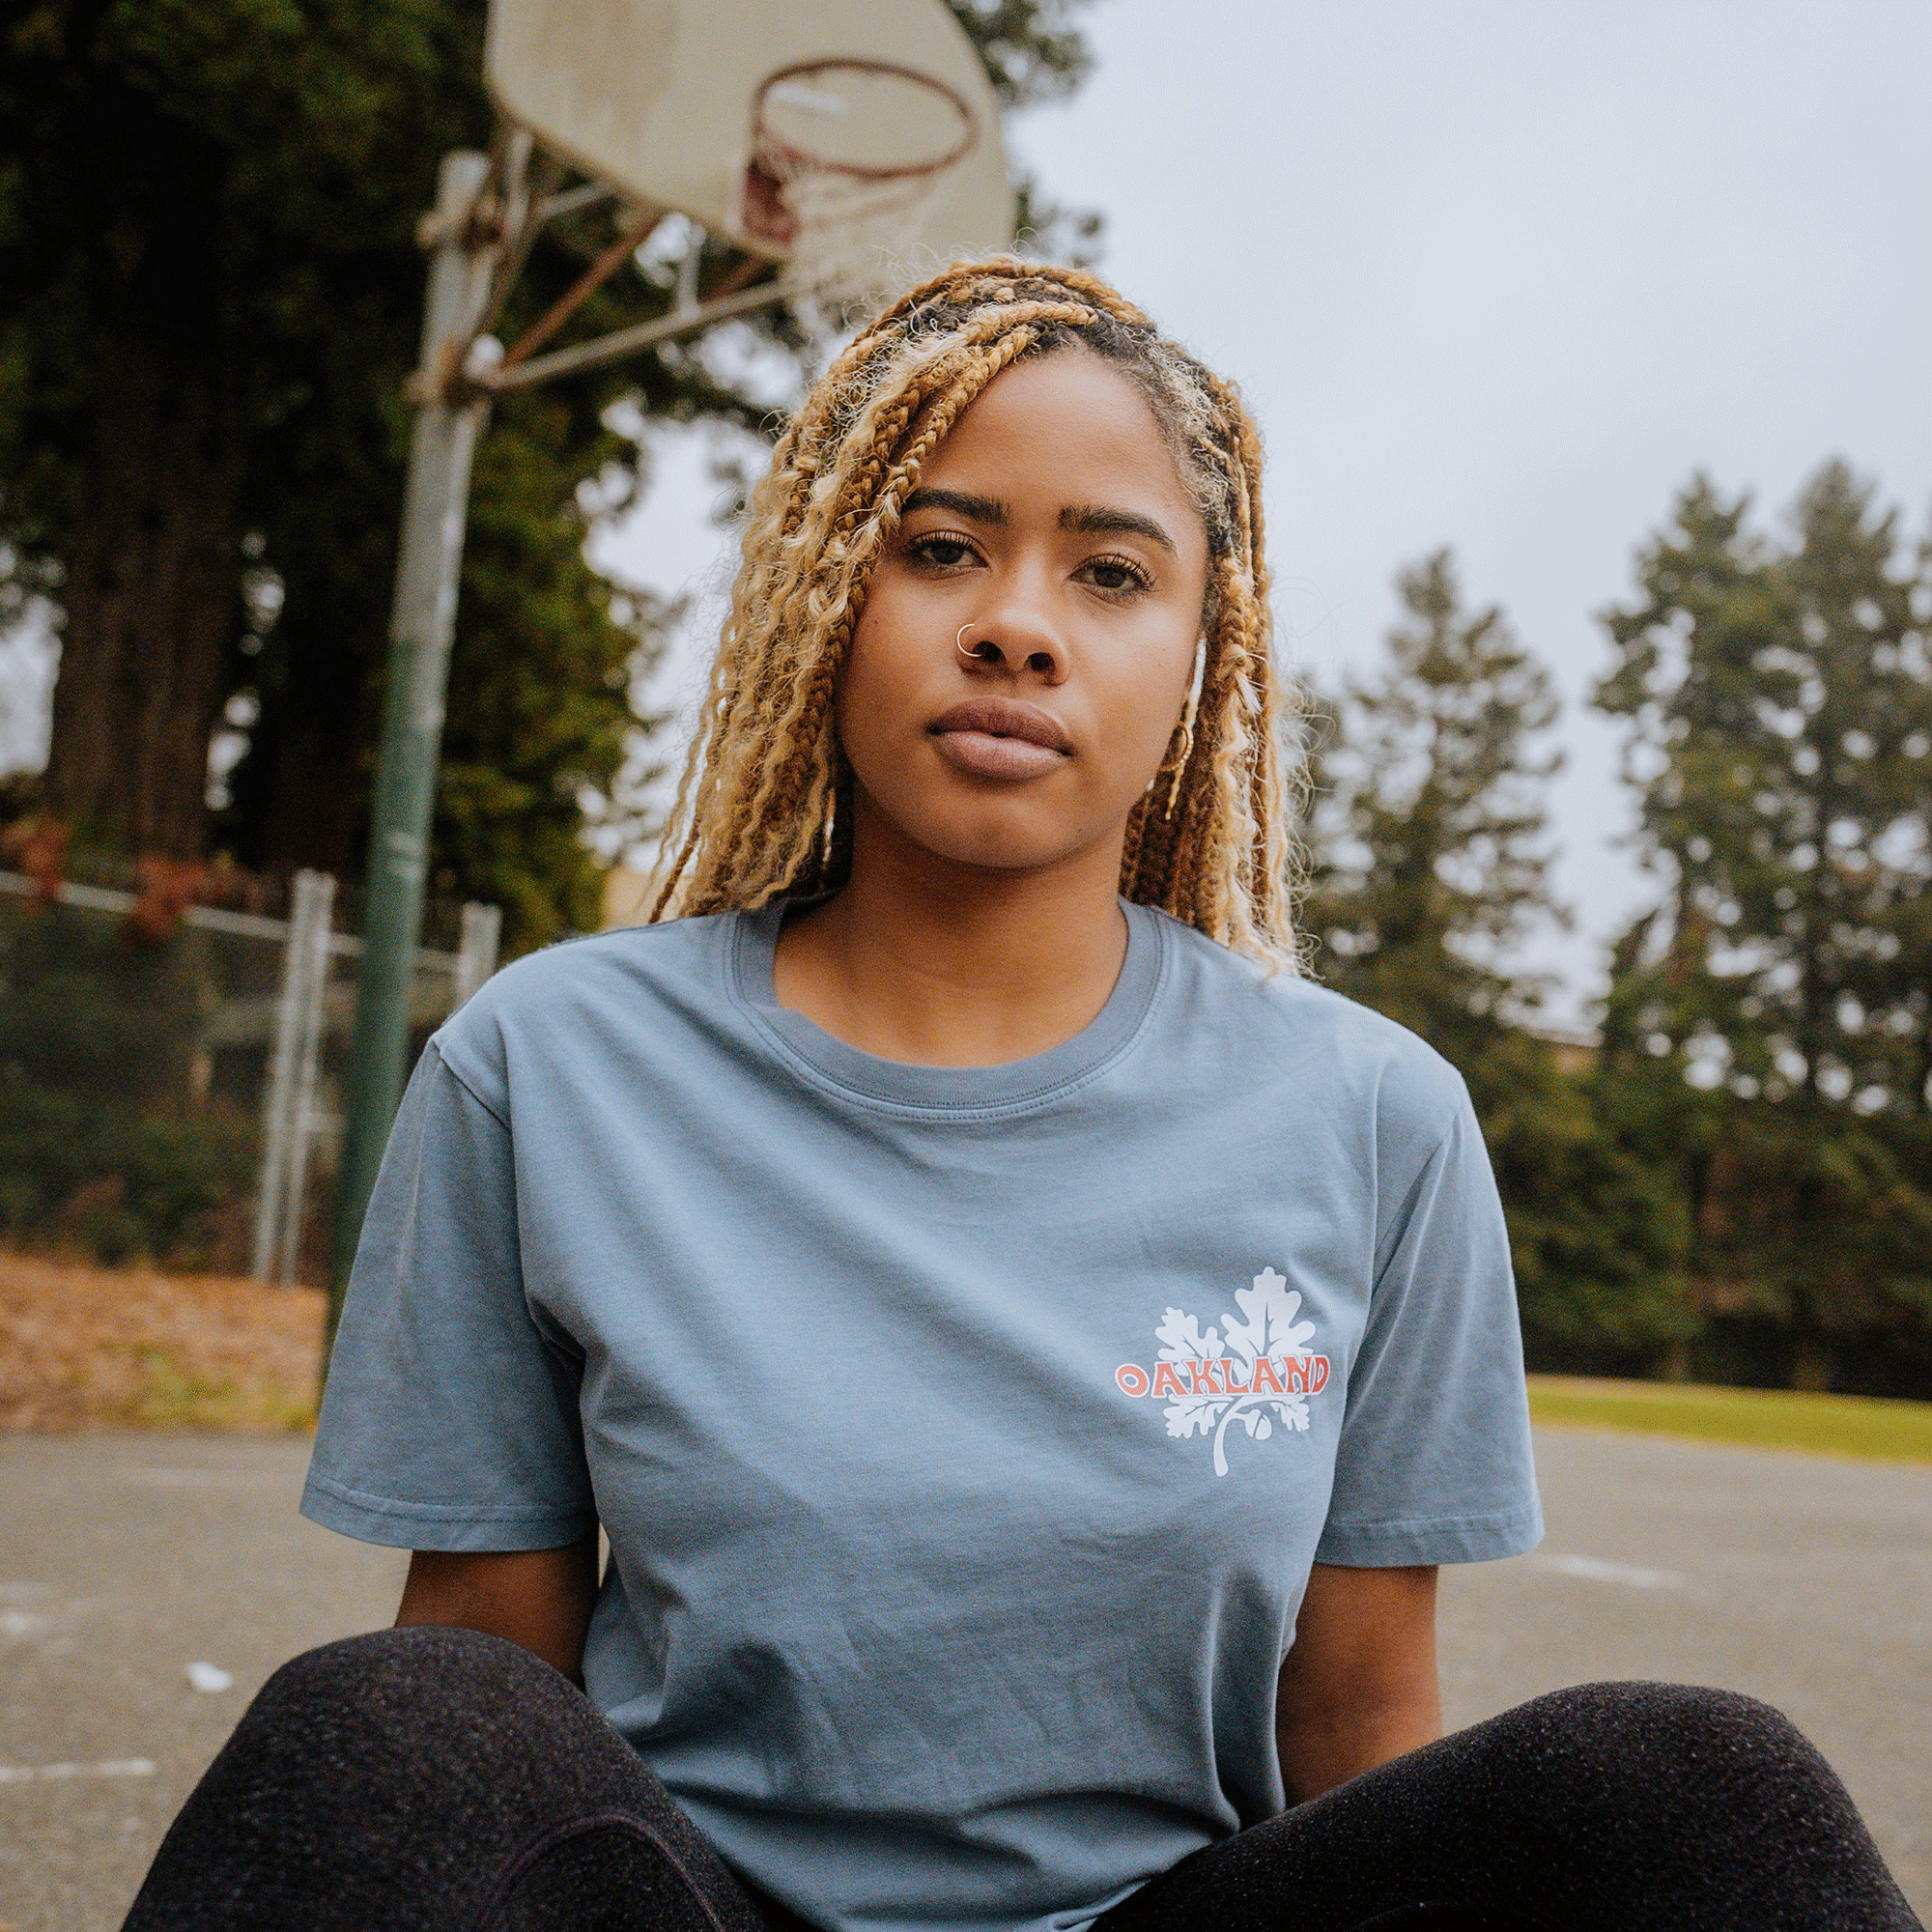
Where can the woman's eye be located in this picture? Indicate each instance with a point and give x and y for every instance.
(943, 552)
(1116, 574)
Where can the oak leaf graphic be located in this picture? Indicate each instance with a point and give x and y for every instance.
(1265, 1327)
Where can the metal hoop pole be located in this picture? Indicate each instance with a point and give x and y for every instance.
(435, 506)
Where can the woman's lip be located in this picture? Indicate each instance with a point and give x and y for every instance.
(982, 755)
(1000, 738)
(1004, 718)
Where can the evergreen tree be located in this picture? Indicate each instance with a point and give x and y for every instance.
(1431, 868)
(1774, 1008)
(210, 297)
(1438, 867)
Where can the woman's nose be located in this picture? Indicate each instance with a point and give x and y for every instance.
(1013, 643)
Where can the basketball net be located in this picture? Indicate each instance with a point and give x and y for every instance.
(847, 221)
(850, 238)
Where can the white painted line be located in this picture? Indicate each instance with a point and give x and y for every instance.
(1594, 1570)
(55, 1773)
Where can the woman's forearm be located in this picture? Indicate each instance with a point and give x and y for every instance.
(541, 1599)
(1317, 1754)
(1360, 1685)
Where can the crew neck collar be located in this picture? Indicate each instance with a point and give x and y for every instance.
(1018, 1085)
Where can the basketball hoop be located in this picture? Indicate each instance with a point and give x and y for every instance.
(852, 142)
(847, 157)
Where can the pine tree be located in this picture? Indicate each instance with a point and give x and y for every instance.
(1780, 717)
(1435, 867)
(1431, 868)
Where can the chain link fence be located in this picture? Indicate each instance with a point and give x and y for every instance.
(178, 1094)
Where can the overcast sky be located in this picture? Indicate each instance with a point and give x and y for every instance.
(1502, 277)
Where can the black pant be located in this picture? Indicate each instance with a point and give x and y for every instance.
(436, 1780)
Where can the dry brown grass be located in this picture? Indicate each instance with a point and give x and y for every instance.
(93, 1348)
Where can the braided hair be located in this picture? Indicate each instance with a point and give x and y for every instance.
(764, 807)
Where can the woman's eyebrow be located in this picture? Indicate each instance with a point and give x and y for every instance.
(961, 503)
(1096, 519)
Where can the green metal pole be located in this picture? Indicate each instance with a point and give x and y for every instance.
(434, 511)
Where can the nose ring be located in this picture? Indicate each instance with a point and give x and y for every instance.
(980, 653)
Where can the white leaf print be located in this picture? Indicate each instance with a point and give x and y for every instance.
(1265, 1327)
(1185, 1344)
(1271, 1327)
(1184, 1339)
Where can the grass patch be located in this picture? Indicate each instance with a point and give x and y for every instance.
(84, 1346)
(1829, 1425)
(171, 1396)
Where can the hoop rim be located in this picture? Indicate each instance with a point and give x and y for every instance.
(765, 142)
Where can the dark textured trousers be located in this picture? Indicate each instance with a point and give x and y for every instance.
(436, 1780)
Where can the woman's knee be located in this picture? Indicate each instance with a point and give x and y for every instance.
(406, 1685)
(378, 1662)
(1666, 1723)
(1634, 1749)
(423, 1758)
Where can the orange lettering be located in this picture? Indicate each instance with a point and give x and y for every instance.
(1265, 1370)
(1166, 1381)
(1203, 1372)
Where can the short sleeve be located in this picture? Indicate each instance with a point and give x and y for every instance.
(450, 1420)
(1433, 1464)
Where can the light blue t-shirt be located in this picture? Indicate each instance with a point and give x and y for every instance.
(963, 1435)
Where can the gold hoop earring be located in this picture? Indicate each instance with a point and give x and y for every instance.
(1180, 759)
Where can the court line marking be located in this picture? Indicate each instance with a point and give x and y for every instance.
(57, 1774)
(1595, 1570)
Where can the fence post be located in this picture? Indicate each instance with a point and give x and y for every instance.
(320, 889)
(477, 959)
(314, 892)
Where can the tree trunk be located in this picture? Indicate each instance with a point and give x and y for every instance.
(312, 799)
(1811, 1366)
(149, 597)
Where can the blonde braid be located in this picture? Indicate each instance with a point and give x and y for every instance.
(764, 805)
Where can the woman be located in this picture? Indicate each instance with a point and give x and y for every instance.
(1029, 1349)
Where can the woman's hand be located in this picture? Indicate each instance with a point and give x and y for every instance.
(538, 1597)
(1360, 1685)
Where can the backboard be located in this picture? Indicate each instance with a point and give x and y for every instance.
(660, 98)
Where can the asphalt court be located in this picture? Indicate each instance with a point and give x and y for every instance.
(125, 1559)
